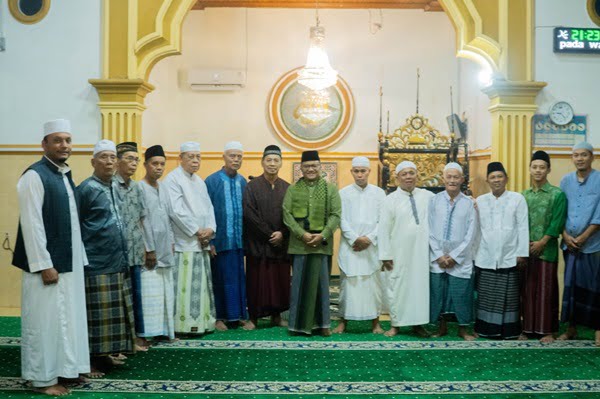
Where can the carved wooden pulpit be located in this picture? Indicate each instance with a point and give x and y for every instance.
(419, 142)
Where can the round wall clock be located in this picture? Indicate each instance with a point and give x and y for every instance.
(309, 120)
(561, 113)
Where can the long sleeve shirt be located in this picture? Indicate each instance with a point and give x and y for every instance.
(133, 211)
(547, 213)
(157, 226)
(504, 230)
(296, 245)
(360, 218)
(583, 207)
(453, 227)
(191, 209)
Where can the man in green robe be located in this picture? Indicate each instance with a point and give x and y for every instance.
(312, 210)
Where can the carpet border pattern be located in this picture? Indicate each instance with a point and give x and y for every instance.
(323, 388)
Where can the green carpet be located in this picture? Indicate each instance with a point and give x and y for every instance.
(270, 363)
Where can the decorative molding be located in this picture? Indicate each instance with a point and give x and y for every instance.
(287, 156)
(36, 149)
(591, 9)
(427, 5)
(15, 10)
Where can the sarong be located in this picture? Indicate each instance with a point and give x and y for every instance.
(451, 295)
(360, 296)
(194, 301)
(229, 283)
(110, 314)
(268, 286)
(136, 294)
(498, 297)
(309, 302)
(157, 303)
(540, 297)
(581, 297)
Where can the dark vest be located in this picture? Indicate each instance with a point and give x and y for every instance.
(56, 216)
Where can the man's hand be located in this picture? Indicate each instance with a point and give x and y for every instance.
(213, 251)
(50, 276)
(307, 237)
(536, 247)
(150, 260)
(361, 243)
(570, 242)
(521, 262)
(441, 261)
(276, 238)
(388, 265)
(450, 263)
(315, 241)
(204, 236)
(580, 240)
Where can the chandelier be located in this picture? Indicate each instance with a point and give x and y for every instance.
(317, 74)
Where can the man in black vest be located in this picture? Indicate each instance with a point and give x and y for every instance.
(49, 250)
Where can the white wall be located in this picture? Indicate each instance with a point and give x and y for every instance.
(277, 41)
(45, 69)
(571, 77)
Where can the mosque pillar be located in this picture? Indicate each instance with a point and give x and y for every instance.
(512, 106)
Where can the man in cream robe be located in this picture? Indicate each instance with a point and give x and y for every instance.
(194, 225)
(403, 239)
(54, 346)
(360, 288)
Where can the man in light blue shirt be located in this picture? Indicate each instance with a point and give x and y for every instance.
(581, 244)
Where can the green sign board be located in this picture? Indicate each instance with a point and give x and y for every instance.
(577, 40)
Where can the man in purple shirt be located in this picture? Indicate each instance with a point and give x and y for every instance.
(581, 244)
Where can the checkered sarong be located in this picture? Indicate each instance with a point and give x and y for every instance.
(110, 314)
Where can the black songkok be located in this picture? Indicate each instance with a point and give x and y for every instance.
(126, 147)
(271, 150)
(495, 167)
(308, 156)
(541, 155)
(154, 151)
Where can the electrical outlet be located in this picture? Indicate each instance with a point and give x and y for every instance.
(2, 44)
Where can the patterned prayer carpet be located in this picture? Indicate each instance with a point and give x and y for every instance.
(268, 363)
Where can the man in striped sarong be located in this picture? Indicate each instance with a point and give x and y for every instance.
(193, 223)
(504, 245)
(109, 299)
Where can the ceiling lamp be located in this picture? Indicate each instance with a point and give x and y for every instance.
(317, 74)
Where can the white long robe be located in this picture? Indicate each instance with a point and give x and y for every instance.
(361, 291)
(405, 242)
(54, 338)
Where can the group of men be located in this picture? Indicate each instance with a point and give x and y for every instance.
(115, 263)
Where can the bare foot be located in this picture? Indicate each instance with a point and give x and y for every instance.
(341, 327)
(219, 325)
(421, 331)
(547, 339)
(392, 332)
(571, 333)
(94, 373)
(376, 329)
(171, 340)
(73, 381)
(140, 348)
(113, 361)
(597, 339)
(523, 337)
(250, 325)
(326, 332)
(120, 356)
(475, 335)
(464, 334)
(277, 321)
(54, 390)
(141, 341)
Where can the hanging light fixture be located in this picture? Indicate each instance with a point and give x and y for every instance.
(317, 74)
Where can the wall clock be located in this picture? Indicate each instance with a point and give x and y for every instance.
(561, 113)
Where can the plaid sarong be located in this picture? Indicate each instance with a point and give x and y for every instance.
(110, 314)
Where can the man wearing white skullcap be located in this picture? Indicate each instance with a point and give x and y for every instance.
(226, 188)
(452, 231)
(581, 244)
(50, 252)
(360, 288)
(193, 223)
(403, 239)
(108, 284)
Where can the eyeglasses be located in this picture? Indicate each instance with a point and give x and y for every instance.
(131, 159)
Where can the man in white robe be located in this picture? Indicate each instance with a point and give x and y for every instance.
(157, 273)
(403, 239)
(360, 282)
(49, 249)
(194, 225)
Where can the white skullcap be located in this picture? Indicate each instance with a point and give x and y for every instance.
(583, 145)
(233, 145)
(57, 126)
(405, 164)
(361, 162)
(453, 165)
(190, 146)
(105, 145)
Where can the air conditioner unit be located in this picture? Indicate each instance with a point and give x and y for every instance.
(216, 79)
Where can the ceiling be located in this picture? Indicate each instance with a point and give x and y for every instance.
(427, 5)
